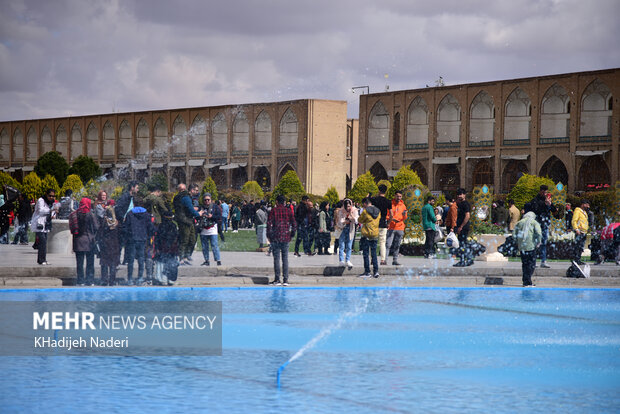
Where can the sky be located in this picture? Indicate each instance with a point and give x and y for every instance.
(80, 57)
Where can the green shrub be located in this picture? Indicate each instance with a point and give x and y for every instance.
(526, 189)
(364, 184)
(32, 187)
(209, 187)
(157, 180)
(289, 186)
(6, 179)
(602, 204)
(332, 195)
(50, 182)
(52, 163)
(252, 191)
(72, 182)
(387, 183)
(404, 178)
(485, 227)
(86, 168)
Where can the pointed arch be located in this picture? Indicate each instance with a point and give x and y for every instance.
(419, 169)
(178, 176)
(378, 171)
(160, 138)
(239, 177)
(594, 174)
(46, 140)
(76, 141)
(179, 137)
(285, 168)
(482, 120)
(417, 124)
(554, 169)
(198, 175)
(198, 137)
(124, 140)
(482, 174)
(447, 178)
(263, 177)
(32, 141)
(108, 140)
(517, 118)
(262, 133)
(448, 122)
(92, 141)
(218, 176)
(5, 145)
(555, 116)
(513, 170)
(18, 144)
(595, 125)
(143, 138)
(241, 135)
(289, 133)
(219, 142)
(378, 128)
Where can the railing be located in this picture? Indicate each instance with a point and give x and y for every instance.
(554, 140)
(288, 151)
(219, 153)
(447, 145)
(481, 143)
(240, 153)
(262, 152)
(514, 142)
(378, 148)
(600, 138)
(198, 154)
(416, 146)
(178, 156)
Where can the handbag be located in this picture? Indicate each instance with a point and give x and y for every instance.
(452, 240)
(438, 234)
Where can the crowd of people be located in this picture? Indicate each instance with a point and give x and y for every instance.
(160, 237)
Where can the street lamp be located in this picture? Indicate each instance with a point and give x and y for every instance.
(361, 87)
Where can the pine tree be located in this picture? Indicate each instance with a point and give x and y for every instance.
(364, 185)
(403, 179)
(209, 187)
(252, 191)
(290, 185)
(73, 182)
(332, 195)
(50, 182)
(32, 186)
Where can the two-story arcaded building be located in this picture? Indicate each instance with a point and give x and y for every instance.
(232, 144)
(562, 126)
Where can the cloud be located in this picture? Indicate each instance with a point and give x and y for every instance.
(95, 56)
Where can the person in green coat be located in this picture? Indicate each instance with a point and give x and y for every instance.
(528, 235)
(428, 222)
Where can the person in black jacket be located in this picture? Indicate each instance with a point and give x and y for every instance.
(84, 243)
(542, 206)
(122, 207)
(139, 225)
(24, 214)
(166, 251)
(303, 217)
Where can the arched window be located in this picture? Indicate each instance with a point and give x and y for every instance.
(419, 169)
(417, 124)
(198, 176)
(179, 138)
(198, 138)
(124, 140)
(482, 121)
(18, 145)
(92, 141)
(218, 176)
(594, 174)
(555, 117)
(447, 178)
(76, 141)
(262, 133)
(5, 146)
(239, 177)
(108, 140)
(396, 132)
(160, 144)
(554, 169)
(219, 144)
(448, 122)
(288, 132)
(178, 176)
(61, 140)
(241, 135)
(378, 172)
(595, 123)
(32, 150)
(46, 140)
(517, 118)
(378, 128)
(512, 172)
(287, 167)
(263, 177)
(142, 138)
(482, 174)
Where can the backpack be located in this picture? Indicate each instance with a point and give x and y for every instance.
(66, 207)
(74, 226)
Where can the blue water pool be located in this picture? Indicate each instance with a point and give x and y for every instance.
(380, 350)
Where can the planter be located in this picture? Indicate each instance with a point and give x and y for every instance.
(491, 241)
(412, 249)
(560, 250)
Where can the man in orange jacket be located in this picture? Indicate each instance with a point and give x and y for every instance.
(397, 215)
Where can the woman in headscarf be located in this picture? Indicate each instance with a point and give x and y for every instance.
(84, 243)
(109, 256)
(528, 235)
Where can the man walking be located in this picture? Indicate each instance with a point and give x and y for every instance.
(397, 215)
(281, 227)
(383, 204)
(528, 235)
(303, 216)
(369, 219)
(462, 228)
(185, 214)
(514, 214)
(428, 222)
(580, 227)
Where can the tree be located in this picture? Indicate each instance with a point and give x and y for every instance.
(158, 180)
(527, 187)
(252, 191)
(289, 184)
(73, 182)
(209, 187)
(32, 187)
(364, 184)
(52, 163)
(404, 178)
(332, 195)
(386, 183)
(86, 168)
(6, 179)
(50, 182)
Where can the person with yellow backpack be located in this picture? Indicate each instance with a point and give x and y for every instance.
(370, 234)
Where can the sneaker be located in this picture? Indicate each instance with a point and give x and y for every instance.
(342, 264)
(532, 285)
(365, 275)
(350, 265)
(297, 254)
(276, 283)
(205, 264)
(219, 262)
(544, 265)
(285, 284)
(376, 275)
(459, 264)
(395, 263)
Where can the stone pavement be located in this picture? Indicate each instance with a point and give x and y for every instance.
(18, 268)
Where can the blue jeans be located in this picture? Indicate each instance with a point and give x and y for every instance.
(345, 245)
(280, 249)
(205, 240)
(542, 250)
(135, 249)
(225, 222)
(369, 246)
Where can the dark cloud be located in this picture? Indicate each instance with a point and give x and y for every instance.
(95, 56)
